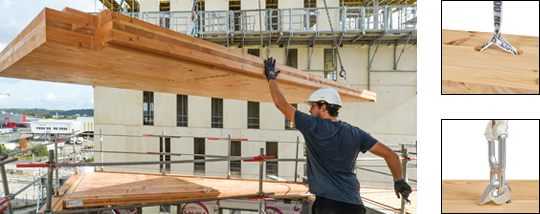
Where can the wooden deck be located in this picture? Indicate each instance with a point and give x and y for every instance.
(113, 50)
(119, 188)
(492, 71)
(461, 196)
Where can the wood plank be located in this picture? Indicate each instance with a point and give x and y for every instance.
(453, 87)
(491, 67)
(115, 188)
(113, 50)
(461, 196)
(64, 191)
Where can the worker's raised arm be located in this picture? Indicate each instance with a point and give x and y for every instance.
(279, 100)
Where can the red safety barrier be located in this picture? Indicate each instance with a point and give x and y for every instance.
(242, 139)
(408, 158)
(259, 158)
(33, 165)
(213, 138)
(4, 201)
(148, 135)
(152, 152)
(258, 197)
(3, 208)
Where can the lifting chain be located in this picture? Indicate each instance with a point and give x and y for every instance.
(342, 73)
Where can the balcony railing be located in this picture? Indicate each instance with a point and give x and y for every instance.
(291, 20)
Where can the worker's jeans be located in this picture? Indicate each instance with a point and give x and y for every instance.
(324, 205)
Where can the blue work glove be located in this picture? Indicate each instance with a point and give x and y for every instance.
(403, 188)
(271, 69)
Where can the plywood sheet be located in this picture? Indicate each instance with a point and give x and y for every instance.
(461, 196)
(389, 199)
(491, 71)
(118, 188)
(113, 50)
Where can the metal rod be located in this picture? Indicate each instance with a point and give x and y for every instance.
(261, 183)
(404, 166)
(5, 182)
(101, 147)
(74, 153)
(296, 163)
(28, 185)
(8, 161)
(494, 167)
(50, 182)
(56, 181)
(148, 162)
(502, 162)
(229, 155)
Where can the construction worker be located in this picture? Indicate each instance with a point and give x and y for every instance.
(332, 149)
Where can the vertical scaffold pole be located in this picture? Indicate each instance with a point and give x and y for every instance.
(5, 184)
(56, 181)
(404, 161)
(296, 162)
(74, 153)
(101, 147)
(229, 156)
(50, 181)
(261, 182)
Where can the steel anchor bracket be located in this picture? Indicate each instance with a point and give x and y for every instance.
(498, 189)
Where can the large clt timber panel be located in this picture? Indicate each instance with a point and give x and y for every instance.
(113, 50)
(461, 196)
(120, 188)
(492, 71)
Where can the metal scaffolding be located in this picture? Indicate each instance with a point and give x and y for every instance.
(53, 165)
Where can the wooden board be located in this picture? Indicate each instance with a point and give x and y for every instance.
(113, 50)
(461, 196)
(491, 71)
(109, 188)
(389, 199)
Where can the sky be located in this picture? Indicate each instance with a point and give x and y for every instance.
(15, 16)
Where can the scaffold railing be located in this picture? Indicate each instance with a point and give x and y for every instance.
(53, 164)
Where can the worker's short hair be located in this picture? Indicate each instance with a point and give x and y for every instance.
(333, 110)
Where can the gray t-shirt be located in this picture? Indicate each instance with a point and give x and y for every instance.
(332, 149)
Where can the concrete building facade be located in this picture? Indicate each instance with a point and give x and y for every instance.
(391, 120)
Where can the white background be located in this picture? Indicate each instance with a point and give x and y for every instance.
(432, 106)
(519, 17)
(465, 150)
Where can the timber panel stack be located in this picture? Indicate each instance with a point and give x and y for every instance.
(114, 50)
(120, 188)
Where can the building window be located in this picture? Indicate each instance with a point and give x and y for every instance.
(330, 64)
(181, 110)
(292, 58)
(199, 149)
(272, 150)
(165, 168)
(148, 108)
(236, 165)
(217, 113)
(289, 125)
(254, 52)
(253, 115)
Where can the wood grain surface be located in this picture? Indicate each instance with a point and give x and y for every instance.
(491, 71)
(118, 188)
(461, 196)
(113, 50)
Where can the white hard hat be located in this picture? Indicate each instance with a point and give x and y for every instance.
(328, 95)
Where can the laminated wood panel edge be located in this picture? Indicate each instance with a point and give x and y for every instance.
(31, 37)
(491, 67)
